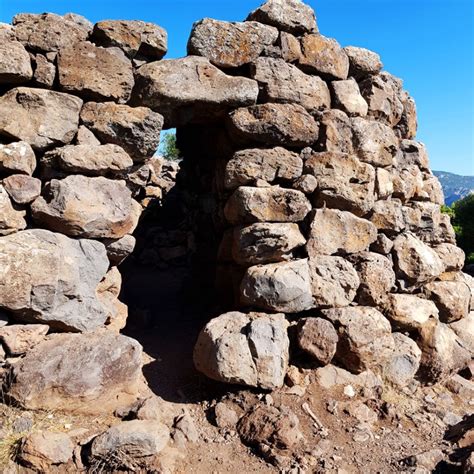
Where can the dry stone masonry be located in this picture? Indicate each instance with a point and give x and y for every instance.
(317, 213)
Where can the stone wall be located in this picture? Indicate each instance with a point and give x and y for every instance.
(314, 205)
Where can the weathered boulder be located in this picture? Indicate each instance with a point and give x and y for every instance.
(451, 256)
(284, 83)
(408, 183)
(317, 338)
(464, 329)
(17, 157)
(374, 142)
(306, 183)
(273, 124)
(119, 249)
(335, 132)
(290, 47)
(87, 207)
(132, 36)
(11, 220)
(135, 129)
(265, 243)
(333, 231)
(94, 373)
(343, 181)
(44, 119)
(365, 337)
(284, 286)
(191, 89)
(250, 349)
(20, 338)
(228, 44)
(42, 450)
(15, 64)
(443, 352)
(49, 278)
(49, 32)
(410, 312)
(408, 124)
(452, 299)
(87, 160)
(387, 216)
(377, 278)
(247, 166)
(362, 62)
(323, 56)
(95, 73)
(414, 260)
(291, 16)
(44, 72)
(334, 281)
(404, 362)
(21, 188)
(383, 183)
(108, 292)
(273, 204)
(347, 97)
(125, 444)
(413, 154)
(382, 245)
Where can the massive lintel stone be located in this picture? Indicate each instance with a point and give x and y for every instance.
(42, 118)
(132, 36)
(87, 207)
(281, 82)
(95, 73)
(228, 44)
(88, 160)
(273, 204)
(333, 231)
(49, 32)
(249, 349)
(291, 16)
(343, 181)
(49, 278)
(191, 90)
(323, 56)
(247, 166)
(282, 287)
(15, 64)
(95, 373)
(135, 129)
(265, 243)
(273, 124)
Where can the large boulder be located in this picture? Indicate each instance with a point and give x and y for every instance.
(132, 37)
(333, 231)
(343, 181)
(404, 362)
(95, 73)
(334, 281)
(228, 44)
(265, 242)
(87, 207)
(347, 97)
(247, 166)
(291, 16)
(335, 132)
(323, 56)
(388, 216)
(11, 220)
(284, 287)
(191, 89)
(49, 32)
(410, 312)
(22, 189)
(365, 337)
(318, 338)
(452, 299)
(93, 373)
(135, 129)
(15, 64)
(273, 204)
(362, 62)
(273, 124)
(49, 278)
(249, 349)
(42, 118)
(284, 83)
(17, 157)
(20, 338)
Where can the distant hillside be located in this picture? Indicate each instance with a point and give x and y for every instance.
(455, 187)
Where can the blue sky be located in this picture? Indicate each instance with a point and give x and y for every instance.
(428, 43)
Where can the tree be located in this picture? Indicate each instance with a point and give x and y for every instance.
(169, 149)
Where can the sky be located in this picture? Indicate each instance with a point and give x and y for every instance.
(428, 43)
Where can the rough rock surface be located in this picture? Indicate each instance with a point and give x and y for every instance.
(228, 44)
(404, 362)
(451, 297)
(410, 312)
(362, 62)
(15, 64)
(17, 157)
(87, 207)
(44, 119)
(21, 188)
(11, 220)
(347, 97)
(18, 338)
(250, 349)
(51, 279)
(318, 338)
(93, 373)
